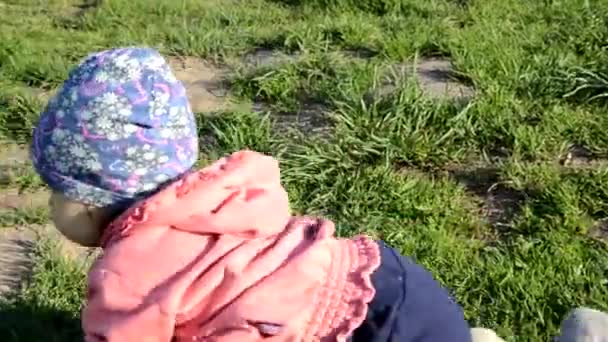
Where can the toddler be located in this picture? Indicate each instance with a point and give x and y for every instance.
(209, 255)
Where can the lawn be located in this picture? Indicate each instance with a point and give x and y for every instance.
(503, 194)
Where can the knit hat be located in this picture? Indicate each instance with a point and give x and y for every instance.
(119, 128)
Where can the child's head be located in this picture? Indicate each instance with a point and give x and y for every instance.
(120, 127)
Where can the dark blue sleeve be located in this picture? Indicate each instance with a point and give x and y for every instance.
(410, 305)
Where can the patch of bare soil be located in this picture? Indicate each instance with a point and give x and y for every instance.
(500, 204)
(11, 154)
(82, 8)
(43, 95)
(310, 119)
(205, 83)
(12, 199)
(17, 244)
(438, 79)
(263, 57)
(17, 253)
(600, 230)
(13, 159)
(16, 258)
(360, 53)
(435, 76)
(580, 157)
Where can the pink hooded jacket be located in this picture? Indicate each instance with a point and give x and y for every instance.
(216, 256)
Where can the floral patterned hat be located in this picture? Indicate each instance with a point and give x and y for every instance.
(120, 127)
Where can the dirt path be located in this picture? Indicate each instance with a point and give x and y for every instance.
(204, 82)
(16, 251)
(18, 243)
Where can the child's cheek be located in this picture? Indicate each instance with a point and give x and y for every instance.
(74, 222)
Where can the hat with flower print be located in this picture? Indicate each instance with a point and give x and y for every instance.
(119, 128)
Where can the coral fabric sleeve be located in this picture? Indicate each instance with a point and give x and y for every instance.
(216, 256)
(115, 314)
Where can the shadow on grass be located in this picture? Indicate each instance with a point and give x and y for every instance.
(45, 307)
(23, 322)
(501, 204)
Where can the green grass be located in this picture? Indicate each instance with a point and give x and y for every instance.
(48, 309)
(23, 216)
(539, 70)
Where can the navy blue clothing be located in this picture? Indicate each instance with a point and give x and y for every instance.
(410, 306)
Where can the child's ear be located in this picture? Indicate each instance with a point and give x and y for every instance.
(78, 222)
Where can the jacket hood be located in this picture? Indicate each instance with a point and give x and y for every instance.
(229, 197)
